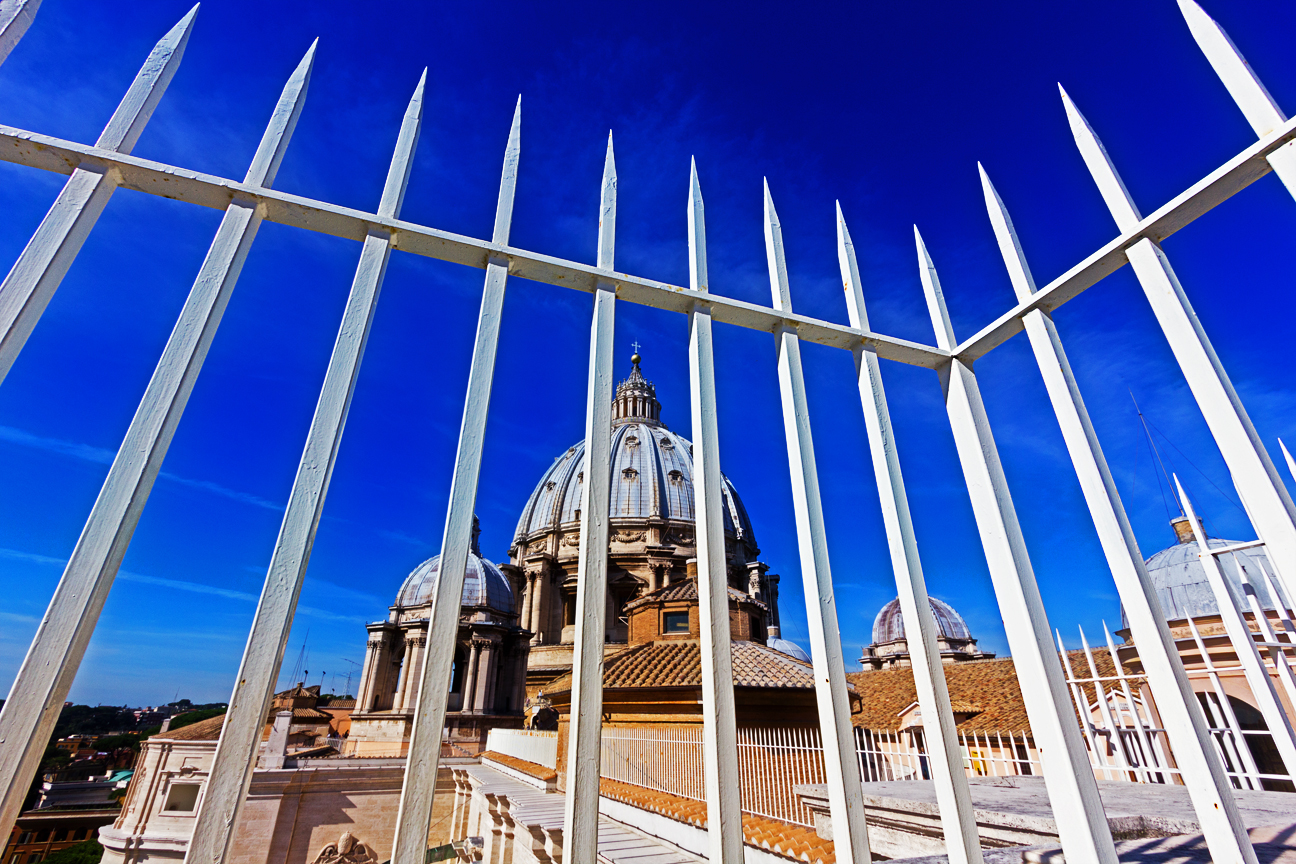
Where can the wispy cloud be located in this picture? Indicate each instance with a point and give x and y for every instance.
(101, 456)
(174, 584)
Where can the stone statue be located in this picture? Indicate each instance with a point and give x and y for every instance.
(348, 850)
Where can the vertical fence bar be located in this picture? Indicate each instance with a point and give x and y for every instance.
(719, 713)
(1204, 774)
(36, 275)
(845, 795)
(15, 17)
(1259, 108)
(415, 813)
(1225, 718)
(231, 771)
(1150, 759)
(1263, 494)
(1098, 760)
(1073, 792)
(580, 806)
(1277, 655)
(1244, 645)
(42, 685)
(958, 820)
(1104, 708)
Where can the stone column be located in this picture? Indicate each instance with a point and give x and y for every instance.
(414, 656)
(537, 610)
(524, 621)
(470, 679)
(369, 674)
(398, 698)
(484, 701)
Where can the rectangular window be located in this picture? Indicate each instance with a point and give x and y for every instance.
(675, 622)
(182, 798)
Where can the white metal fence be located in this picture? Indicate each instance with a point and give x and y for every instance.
(43, 682)
(533, 745)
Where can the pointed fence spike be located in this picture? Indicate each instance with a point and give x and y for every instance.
(845, 794)
(1118, 199)
(935, 296)
(698, 279)
(607, 211)
(43, 682)
(15, 17)
(953, 797)
(720, 769)
(1291, 463)
(231, 771)
(431, 681)
(39, 270)
(1009, 246)
(1238, 77)
(407, 140)
(274, 143)
(146, 91)
(508, 179)
(581, 807)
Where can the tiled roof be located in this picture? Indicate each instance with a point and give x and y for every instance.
(679, 664)
(684, 589)
(203, 730)
(335, 704)
(989, 687)
(779, 838)
(533, 769)
(307, 714)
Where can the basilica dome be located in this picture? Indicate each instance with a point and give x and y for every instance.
(484, 584)
(652, 476)
(1180, 578)
(888, 626)
(890, 648)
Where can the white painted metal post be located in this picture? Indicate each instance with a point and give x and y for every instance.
(415, 814)
(845, 793)
(1248, 653)
(1263, 494)
(580, 806)
(36, 275)
(15, 17)
(719, 713)
(42, 685)
(1259, 108)
(962, 841)
(1287, 457)
(231, 771)
(1073, 792)
(1185, 723)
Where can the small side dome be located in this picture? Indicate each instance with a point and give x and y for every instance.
(1181, 583)
(484, 584)
(889, 624)
(789, 648)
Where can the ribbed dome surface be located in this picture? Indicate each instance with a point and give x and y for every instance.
(652, 476)
(484, 585)
(889, 624)
(1181, 584)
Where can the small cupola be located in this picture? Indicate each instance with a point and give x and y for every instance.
(636, 398)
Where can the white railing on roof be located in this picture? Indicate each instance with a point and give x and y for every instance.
(533, 745)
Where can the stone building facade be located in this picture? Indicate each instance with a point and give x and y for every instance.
(652, 534)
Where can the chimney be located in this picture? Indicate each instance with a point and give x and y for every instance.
(277, 747)
(1183, 529)
(690, 569)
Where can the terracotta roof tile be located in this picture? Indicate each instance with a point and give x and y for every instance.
(989, 687)
(679, 664)
(203, 730)
(785, 839)
(685, 589)
(532, 769)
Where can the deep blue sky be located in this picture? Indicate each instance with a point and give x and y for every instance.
(886, 107)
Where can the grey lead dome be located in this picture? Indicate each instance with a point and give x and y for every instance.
(889, 624)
